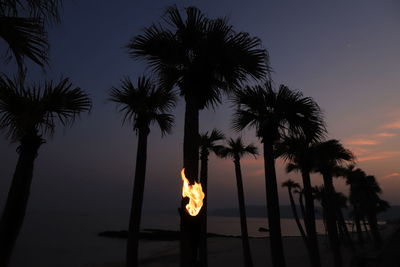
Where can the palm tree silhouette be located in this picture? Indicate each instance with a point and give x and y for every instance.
(330, 155)
(290, 185)
(299, 152)
(353, 179)
(141, 105)
(27, 113)
(203, 58)
(207, 145)
(235, 150)
(22, 28)
(274, 115)
(371, 204)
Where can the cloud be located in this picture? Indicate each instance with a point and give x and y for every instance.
(379, 156)
(392, 125)
(256, 173)
(361, 142)
(394, 174)
(384, 134)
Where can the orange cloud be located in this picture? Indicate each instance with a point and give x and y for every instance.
(361, 142)
(394, 174)
(359, 151)
(393, 125)
(256, 173)
(386, 134)
(379, 155)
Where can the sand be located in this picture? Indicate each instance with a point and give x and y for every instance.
(224, 251)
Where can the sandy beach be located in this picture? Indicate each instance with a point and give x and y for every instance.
(225, 251)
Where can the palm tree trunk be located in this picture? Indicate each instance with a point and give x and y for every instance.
(357, 222)
(278, 258)
(190, 226)
(373, 225)
(301, 202)
(315, 257)
(296, 216)
(248, 262)
(203, 234)
(366, 228)
(331, 220)
(343, 225)
(132, 249)
(18, 196)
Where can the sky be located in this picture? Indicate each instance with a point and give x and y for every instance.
(344, 54)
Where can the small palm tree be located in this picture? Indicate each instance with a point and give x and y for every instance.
(290, 185)
(22, 28)
(274, 115)
(207, 145)
(354, 179)
(235, 150)
(27, 114)
(141, 106)
(371, 204)
(328, 156)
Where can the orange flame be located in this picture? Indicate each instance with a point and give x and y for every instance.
(194, 193)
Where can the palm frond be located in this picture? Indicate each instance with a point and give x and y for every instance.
(237, 149)
(143, 104)
(48, 10)
(26, 38)
(25, 109)
(290, 184)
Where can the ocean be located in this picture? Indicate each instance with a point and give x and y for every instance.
(70, 239)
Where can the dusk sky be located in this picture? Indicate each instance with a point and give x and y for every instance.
(344, 54)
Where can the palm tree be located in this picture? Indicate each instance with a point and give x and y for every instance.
(290, 185)
(371, 204)
(354, 179)
(207, 145)
(235, 150)
(320, 196)
(141, 105)
(22, 28)
(330, 154)
(297, 150)
(27, 114)
(274, 115)
(195, 54)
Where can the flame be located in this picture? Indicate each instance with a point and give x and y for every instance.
(194, 193)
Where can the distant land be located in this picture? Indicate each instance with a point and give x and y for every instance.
(286, 212)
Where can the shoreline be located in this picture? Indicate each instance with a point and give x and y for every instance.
(227, 251)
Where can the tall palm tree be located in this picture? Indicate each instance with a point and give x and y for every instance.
(274, 115)
(331, 154)
(208, 143)
(141, 104)
(22, 27)
(290, 185)
(297, 150)
(201, 57)
(235, 150)
(27, 114)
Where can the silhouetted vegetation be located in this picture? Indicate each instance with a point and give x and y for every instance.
(275, 114)
(27, 115)
(141, 105)
(208, 143)
(235, 150)
(22, 27)
(200, 59)
(195, 54)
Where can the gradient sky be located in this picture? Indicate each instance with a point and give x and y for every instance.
(344, 54)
